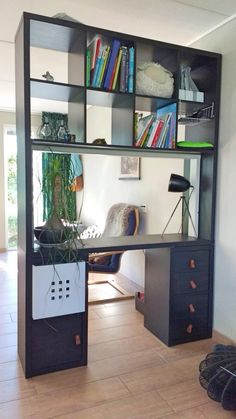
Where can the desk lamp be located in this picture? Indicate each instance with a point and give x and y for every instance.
(179, 183)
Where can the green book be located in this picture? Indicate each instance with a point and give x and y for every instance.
(88, 66)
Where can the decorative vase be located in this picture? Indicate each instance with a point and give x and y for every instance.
(218, 375)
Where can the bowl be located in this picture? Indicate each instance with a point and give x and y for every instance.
(52, 236)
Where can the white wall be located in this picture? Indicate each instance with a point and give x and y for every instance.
(222, 40)
(102, 189)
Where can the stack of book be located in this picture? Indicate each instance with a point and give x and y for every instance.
(157, 131)
(109, 66)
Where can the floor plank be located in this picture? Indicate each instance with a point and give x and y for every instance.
(148, 406)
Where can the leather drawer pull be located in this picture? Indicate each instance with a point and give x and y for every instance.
(191, 308)
(193, 284)
(189, 328)
(192, 264)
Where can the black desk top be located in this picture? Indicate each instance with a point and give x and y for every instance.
(43, 255)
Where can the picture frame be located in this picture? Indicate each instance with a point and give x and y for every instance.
(129, 168)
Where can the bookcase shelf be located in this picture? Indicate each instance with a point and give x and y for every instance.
(87, 107)
(56, 35)
(57, 91)
(89, 148)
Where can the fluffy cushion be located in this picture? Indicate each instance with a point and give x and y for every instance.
(154, 80)
(121, 221)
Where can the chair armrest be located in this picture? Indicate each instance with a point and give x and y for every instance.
(115, 252)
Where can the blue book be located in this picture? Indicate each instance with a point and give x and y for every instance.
(96, 68)
(114, 52)
(98, 76)
(131, 70)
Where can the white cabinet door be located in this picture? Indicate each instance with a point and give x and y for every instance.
(58, 289)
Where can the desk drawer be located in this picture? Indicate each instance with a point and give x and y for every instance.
(187, 330)
(190, 261)
(190, 307)
(194, 283)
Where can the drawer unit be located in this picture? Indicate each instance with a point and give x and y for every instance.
(190, 261)
(191, 283)
(189, 307)
(187, 330)
(177, 283)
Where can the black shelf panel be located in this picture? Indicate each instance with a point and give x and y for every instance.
(101, 97)
(56, 91)
(151, 103)
(89, 148)
(166, 100)
(54, 35)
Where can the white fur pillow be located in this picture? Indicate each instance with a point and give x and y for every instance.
(154, 80)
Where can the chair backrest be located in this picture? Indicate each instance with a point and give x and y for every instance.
(122, 220)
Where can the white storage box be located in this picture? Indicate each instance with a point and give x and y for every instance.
(58, 290)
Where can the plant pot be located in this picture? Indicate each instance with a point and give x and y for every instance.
(52, 236)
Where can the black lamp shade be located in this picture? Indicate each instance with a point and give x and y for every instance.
(178, 183)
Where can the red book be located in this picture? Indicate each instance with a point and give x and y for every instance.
(157, 133)
(94, 47)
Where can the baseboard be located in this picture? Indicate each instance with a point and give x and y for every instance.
(220, 338)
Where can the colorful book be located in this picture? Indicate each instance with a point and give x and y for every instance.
(162, 137)
(131, 70)
(112, 75)
(88, 67)
(117, 69)
(152, 132)
(97, 66)
(143, 127)
(126, 72)
(171, 143)
(146, 136)
(100, 65)
(167, 139)
(114, 52)
(157, 133)
(108, 49)
(93, 47)
(124, 58)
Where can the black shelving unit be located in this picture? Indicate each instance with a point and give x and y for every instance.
(167, 312)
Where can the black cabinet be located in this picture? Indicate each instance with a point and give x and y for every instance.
(177, 300)
(59, 342)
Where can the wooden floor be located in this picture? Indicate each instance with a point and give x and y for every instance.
(130, 373)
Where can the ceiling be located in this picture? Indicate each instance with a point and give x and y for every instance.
(174, 21)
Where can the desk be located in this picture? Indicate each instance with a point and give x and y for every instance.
(167, 270)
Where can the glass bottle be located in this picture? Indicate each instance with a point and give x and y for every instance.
(62, 133)
(45, 131)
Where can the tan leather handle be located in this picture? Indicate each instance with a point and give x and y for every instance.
(189, 328)
(193, 284)
(191, 308)
(192, 264)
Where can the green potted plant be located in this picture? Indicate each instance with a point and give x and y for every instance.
(59, 201)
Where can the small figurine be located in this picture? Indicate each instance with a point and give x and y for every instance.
(48, 76)
(99, 141)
